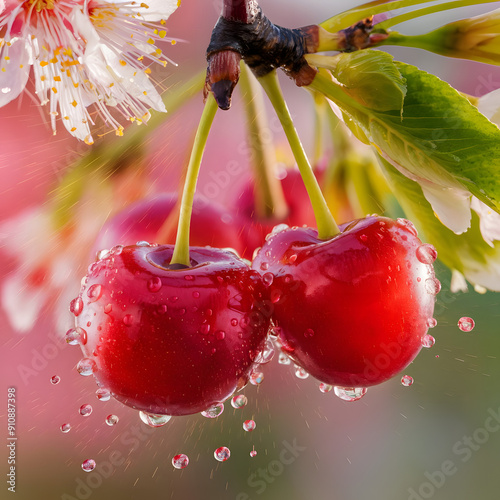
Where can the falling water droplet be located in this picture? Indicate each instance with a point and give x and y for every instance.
(256, 378)
(426, 253)
(88, 465)
(222, 454)
(85, 410)
(103, 394)
(253, 453)
(154, 420)
(214, 411)
(406, 380)
(325, 388)
(432, 286)
(267, 353)
(94, 293)
(54, 380)
(112, 420)
(86, 367)
(466, 324)
(155, 284)
(239, 401)
(76, 306)
(300, 372)
(65, 428)
(180, 461)
(283, 359)
(350, 393)
(249, 425)
(428, 341)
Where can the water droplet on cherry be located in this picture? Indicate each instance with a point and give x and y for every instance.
(222, 454)
(143, 244)
(466, 324)
(309, 332)
(180, 461)
(116, 250)
(154, 284)
(283, 359)
(214, 411)
(301, 373)
(426, 253)
(350, 393)
(76, 306)
(154, 420)
(432, 286)
(267, 353)
(267, 279)
(94, 292)
(428, 341)
(128, 320)
(432, 322)
(325, 388)
(249, 425)
(264, 266)
(408, 225)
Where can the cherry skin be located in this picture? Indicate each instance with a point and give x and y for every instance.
(211, 224)
(171, 341)
(300, 211)
(353, 310)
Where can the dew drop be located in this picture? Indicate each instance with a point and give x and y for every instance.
(220, 335)
(180, 461)
(162, 309)
(267, 353)
(408, 225)
(65, 428)
(283, 359)
(432, 322)
(249, 425)
(277, 229)
(267, 279)
(406, 380)
(103, 394)
(426, 253)
(94, 293)
(102, 254)
(86, 367)
(205, 328)
(222, 454)
(466, 324)
(428, 341)
(108, 308)
(88, 465)
(85, 410)
(154, 420)
(292, 258)
(76, 306)
(363, 238)
(301, 373)
(55, 379)
(128, 319)
(214, 411)
(189, 277)
(116, 250)
(112, 420)
(325, 388)
(349, 393)
(432, 286)
(154, 284)
(196, 295)
(264, 266)
(309, 333)
(256, 378)
(239, 401)
(143, 244)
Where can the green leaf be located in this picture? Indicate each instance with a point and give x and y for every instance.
(441, 139)
(467, 252)
(372, 78)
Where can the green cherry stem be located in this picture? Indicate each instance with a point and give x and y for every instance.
(327, 227)
(269, 197)
(181, 248)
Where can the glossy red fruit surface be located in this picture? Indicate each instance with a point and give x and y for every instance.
(352, 311)
(300, 211)
(171, 342)
(211, 224)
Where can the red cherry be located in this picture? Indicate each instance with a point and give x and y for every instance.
(171, 341)
(352, 311)
(300, 211)
(211, 224)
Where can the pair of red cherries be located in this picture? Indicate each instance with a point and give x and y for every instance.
(352, 311)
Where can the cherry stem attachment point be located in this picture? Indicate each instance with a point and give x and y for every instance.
(327, 227)
(181, 249)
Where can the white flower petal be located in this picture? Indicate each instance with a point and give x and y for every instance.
(489, 221)
(458, 282)
(151, 10)
(489, 106)
(485, 275)
(14, 71)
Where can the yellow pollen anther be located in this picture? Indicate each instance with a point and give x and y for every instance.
(40, 5)
(74, 103)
